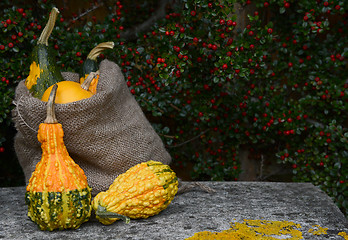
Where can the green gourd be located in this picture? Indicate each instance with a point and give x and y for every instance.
(90, 65)
(44, 71)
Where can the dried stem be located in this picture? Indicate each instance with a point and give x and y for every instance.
(85, 85)
(95, 52)
(51, 115)
(49, 27)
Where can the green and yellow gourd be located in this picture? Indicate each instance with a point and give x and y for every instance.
(44, 71)
(57, 195)
(90, 65)
(143, 191)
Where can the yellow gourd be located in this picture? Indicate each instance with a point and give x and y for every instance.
(69, 91)
(143, 191)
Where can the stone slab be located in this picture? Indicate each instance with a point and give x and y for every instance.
(193, 211)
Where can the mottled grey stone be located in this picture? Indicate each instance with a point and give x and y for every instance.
(194, 211)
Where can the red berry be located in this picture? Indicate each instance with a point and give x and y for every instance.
(78, 54)
(265, 4)
(270, 30)
(2, 47)
(193, 13)
(10, 45)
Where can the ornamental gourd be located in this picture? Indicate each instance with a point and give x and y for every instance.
(58, 195)
(69, 91)
(90, 65)
(44, 71)
(143, 191)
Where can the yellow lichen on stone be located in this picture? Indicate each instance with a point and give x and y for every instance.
(344, 235)
(254, 230)
(317, 230)
(262, 230)
(34, 74)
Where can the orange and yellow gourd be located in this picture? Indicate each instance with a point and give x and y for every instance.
(58, 195)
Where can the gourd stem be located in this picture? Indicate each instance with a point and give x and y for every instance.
(49, 27)
(51, 116)
(95, 52)
(85, 85)
(102, 213)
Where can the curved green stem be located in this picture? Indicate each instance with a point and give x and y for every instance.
(102, 213)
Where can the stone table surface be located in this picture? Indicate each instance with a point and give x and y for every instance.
(194, 211)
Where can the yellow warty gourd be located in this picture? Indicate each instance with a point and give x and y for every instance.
(143, 191)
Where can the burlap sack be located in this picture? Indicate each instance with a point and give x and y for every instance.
(105, 134)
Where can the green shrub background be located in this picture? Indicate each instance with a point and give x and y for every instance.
(276, 86)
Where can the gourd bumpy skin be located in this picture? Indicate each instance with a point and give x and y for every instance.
(58, 195)
(143, 191)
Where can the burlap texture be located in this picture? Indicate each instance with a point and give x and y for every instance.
(105, 134)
